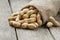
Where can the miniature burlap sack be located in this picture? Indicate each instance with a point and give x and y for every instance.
(46, 7)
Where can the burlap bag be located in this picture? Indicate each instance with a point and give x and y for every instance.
(46, 7)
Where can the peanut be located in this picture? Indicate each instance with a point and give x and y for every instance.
(30, 20)
(30, 12)
(25, 16)
(18, 18)
(14, 14)
(39, 21)
(49, 24)
(11, 18)
(24, 25)
(32, 26)
(16, 24)
(33, 16)
(21, 21)
(31, 8)
(25, 10)
(21, 13)
(38, 16)
(36, 24)
(11, 23)
(56, 23)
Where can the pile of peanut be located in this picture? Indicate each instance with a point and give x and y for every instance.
(27, 18)
(30, 18)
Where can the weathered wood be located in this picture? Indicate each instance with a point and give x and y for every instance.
(17, 4)
(38, 34)
(6, 32)
(56, 30)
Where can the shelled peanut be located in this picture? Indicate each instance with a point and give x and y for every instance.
(26, 18)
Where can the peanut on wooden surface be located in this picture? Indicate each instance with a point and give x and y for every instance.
(52, 22)
(26, 18)
(49, 24)
(55, 22)
(11, 18)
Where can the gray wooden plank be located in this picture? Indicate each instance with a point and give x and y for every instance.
(6, 32)
(18, 4)
(38, 34)
(56, 30)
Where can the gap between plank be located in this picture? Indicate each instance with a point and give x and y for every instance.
(51, 34)
(10, 6)
(12, 12)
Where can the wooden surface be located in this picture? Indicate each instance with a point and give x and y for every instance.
(9, 33)
(6, 32)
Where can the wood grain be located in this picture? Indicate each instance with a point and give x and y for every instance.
(6, 32)
(23, 34)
